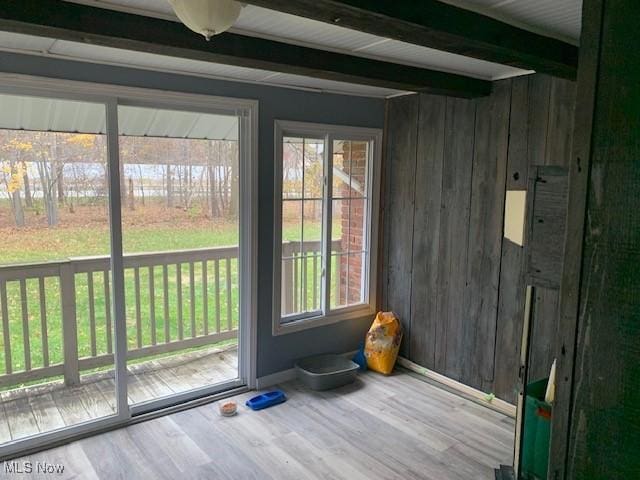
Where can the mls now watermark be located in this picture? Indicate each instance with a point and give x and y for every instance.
(26, 468)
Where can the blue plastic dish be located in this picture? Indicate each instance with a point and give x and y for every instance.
(266, 400)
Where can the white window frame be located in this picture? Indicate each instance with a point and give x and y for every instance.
(329, 133)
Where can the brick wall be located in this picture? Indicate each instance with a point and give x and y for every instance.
(352, 217)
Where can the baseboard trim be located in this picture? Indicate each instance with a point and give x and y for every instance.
(476, 395)
(275, 378)
(285, 375)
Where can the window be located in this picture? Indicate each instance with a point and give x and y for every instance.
(326, 192)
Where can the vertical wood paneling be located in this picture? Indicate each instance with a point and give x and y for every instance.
(603, 411)
(579, 169)
(485, 235)
(511, 294)
(518, 161)
(544, 316)
(547, 213)
(401, 158)
(560, 126)
(447, 272)
(457, 173)
(426, 238)
(509, 321)
(540, 91)
(557, 152)
(538, 112)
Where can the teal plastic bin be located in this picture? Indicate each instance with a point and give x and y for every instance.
(536, 433)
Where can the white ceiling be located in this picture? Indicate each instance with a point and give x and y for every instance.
(558, 18)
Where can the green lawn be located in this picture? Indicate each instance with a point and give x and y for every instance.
(56, 244)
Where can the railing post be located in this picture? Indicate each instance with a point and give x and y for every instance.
(287, 279)
(69, 324)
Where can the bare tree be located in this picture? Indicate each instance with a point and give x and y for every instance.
(169, 185)
(49, 183)
(131, 196)
(28, 197)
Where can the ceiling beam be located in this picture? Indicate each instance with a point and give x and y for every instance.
(96, 26)
(441, 26)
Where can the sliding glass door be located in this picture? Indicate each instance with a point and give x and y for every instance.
(56, 357)
(127, 253)
(180, 215)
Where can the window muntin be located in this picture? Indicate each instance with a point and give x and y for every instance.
(325, 227)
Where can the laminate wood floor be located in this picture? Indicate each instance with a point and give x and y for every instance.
(42, 408)
(396, 427)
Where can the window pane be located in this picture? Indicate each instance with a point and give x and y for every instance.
(338, 288)
(339, 226)
(291, 250)
(313, 168)
(347, 273)
(355, 289)
(292, 161)
(359, 166)
(357, 220)
(311, 266)
(292, 222)
(341, 170)
(312, 227)
(302, 229)
(349, 223)
(350, 162)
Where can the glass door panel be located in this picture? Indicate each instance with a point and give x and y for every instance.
(350, 242)
(57, 340)
(180, 215)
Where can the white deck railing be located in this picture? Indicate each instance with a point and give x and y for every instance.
(175, 300)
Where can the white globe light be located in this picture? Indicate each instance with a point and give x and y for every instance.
(207, 17)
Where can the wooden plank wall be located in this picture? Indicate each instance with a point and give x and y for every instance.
(604, 407)
(456, 285)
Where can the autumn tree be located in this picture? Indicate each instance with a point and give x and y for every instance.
(12, 175)
(13, 171)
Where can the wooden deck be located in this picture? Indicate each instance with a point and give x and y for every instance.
(397, 427)
(30, 410)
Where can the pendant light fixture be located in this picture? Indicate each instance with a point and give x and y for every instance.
(207, 17)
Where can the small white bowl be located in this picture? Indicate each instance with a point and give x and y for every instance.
(228, 408)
